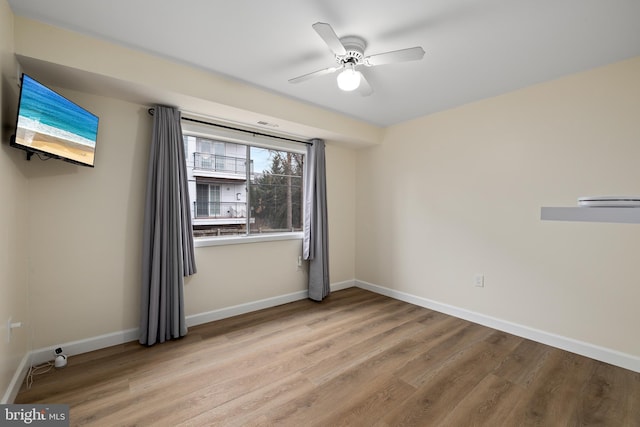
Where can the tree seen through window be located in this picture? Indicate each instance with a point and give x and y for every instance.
(276, 192)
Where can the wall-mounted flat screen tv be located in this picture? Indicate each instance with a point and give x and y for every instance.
(51, 125)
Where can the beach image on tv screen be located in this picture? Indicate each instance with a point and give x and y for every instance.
(50, 123)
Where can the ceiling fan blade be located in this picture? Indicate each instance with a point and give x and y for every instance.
(365, 88)
(305, 77)
(330, 38)
(409, 54)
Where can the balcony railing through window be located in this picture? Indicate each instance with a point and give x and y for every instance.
(220, 209)
(217, 163)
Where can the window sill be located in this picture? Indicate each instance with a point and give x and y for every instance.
(235, 240)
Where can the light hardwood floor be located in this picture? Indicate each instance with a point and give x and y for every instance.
(356, 359)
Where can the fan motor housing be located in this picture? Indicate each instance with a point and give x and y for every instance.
(355, 50)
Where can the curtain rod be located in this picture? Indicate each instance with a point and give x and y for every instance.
(152, 111)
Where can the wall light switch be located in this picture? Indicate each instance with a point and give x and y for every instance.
(479, 280)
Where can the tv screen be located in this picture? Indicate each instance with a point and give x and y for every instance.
(50, 124)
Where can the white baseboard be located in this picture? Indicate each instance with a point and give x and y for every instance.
(16, 382)
(46, 354)
(592, 351)
(343, 285)
(613, 357)
(95, 343)
(223, 313)
(235, 310)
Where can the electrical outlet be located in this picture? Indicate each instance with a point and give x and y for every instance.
(299, 262)
(479, 280)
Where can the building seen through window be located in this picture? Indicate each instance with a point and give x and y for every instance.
(239, 189)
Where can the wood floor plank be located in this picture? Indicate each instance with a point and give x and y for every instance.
(224, 366)
(438, 394)
(555, 395)
(609, 398)
(524, 363)
(355, 359)
(419, 370)
(322, 402)
(353, 352)
(369, 404)
(487, 405)
(252, 405)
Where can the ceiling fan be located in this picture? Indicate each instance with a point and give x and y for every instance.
(349, 52)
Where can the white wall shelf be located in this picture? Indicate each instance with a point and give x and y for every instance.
(625, 215)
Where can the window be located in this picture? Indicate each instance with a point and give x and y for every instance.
(276, 191)
(207, 200)
(242, 188)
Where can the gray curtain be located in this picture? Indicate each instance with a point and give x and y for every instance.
(167, 253)
(315, 245)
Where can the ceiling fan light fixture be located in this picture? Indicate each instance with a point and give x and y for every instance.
(349, 79)
(349, 53)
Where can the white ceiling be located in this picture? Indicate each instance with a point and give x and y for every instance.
(474, 48)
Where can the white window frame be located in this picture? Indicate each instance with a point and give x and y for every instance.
(228, 135)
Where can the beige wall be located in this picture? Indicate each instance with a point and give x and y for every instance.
(105, 68)
(85, 237)
(84, 224)
(236, 274)
(442, 198)
(13, 223)
(341, 193)
(458, 193)
(85, 230)
(85, 241)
